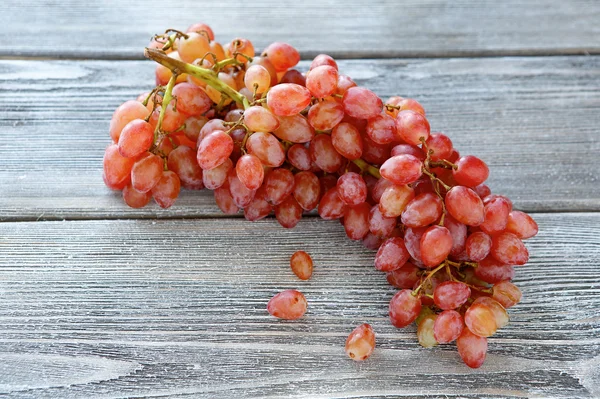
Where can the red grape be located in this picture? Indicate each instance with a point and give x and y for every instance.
(471, 348)
(250, 171)
(509, 249)
(404, 308)
(321, 81)
(361, 103)
(302, 265)
(451, 294)
(282, 56)
(288, 305)
(471, 171)
(401, 169)
(465, 206)
(448, 326)
(478, 246)
(214, 149)
(521, 224)
(435, 244)
(360, 343)
(411, 127)
(424, 209)
(392, 255)
(288, 99)
(307, 190)
(166, 191)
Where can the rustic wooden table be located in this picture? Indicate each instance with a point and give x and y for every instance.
(99, 300)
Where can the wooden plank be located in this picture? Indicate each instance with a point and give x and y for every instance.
(177, 308)
(351, 28)
(533, 120)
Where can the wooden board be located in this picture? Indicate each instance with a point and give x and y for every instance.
(532, 119)
(177, 308)
(351, 28)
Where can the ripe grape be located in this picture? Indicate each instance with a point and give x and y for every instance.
(325, 115)
(241, 46)
(471, 348)
(322, 81)
(279, 184)
(307, 190)
(412, 239)
(288, 99)
(392, 255)
(191, 100)
(500, 314)
(436, 244)
(381, 129)
(480, 319)
(379, 224)
(411, 127)
(324, 154)
(323, 59)
(166, 191)
(259, 119)
(408, 149)
(465, 206)
(134, 198)
(282, 56)
(117, 168)
(395, 199)
(361, 103)
(258, 208)
(216, 177)
(347, 141)
(491, 271)
(224, 201)
(360, 343)
(422, 210)
(352, 188)
(125, 113)
(356, 221)
(182, 161)
(506, 293)
(288, 305)
(267, 148)
(136, 138)
(302, 265)
(521, 224)
(250, 171)
(404, 308)
(401, 169)
(448, 326)
(404, 277)
(471, 171)
(440, 145)
(509, 249)
(257, 79)
(146, 172)
(294, 129)
(242, 195)
(202, 28)
(195, 46)
(451, 294)
(288, 213)
(331, 205)
(299, 156)
(478, 246)
(459, 235)
(214, 149)
(293, 76)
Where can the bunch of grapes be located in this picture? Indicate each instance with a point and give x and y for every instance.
(267, 138)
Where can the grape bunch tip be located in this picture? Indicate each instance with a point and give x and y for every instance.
(270, 139)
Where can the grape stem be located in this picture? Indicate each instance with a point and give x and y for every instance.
(365, 167)
(208, 76)
(165, 103)
(415, 292)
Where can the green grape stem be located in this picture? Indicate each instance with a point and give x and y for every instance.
(208, 76)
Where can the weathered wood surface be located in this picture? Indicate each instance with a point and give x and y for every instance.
(351, 28)
(177, 308)
(532, 119)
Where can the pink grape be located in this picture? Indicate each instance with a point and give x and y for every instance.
(401, 169)
(182, 161)
(279, 184)
(471, 348)
(465, 206)
(166, 191)
(451, 295)
(352, 188)
(307, 190)
(347, 141)
(250, 171)
(509, 249)
(136, 138)
(288, 213)
(214, 149)
(478, 246)
(294, 129)
(436, 244)
(267, 148)
(146, 173)
(288, 305)
(411, 127)
(361, 103)
(392, 255)
(448, 326)
(321, 81)
(360, 343)
(381, 129)
(424, 209)
(325, 115)
(521, 224)
(288, 99)
(404, 308)
(282, 55)
(471, 171)
(324, 154)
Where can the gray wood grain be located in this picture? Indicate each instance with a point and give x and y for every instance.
(176, 308)
(534, 120)
(351, 28)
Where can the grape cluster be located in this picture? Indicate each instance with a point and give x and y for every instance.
(267, 138)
